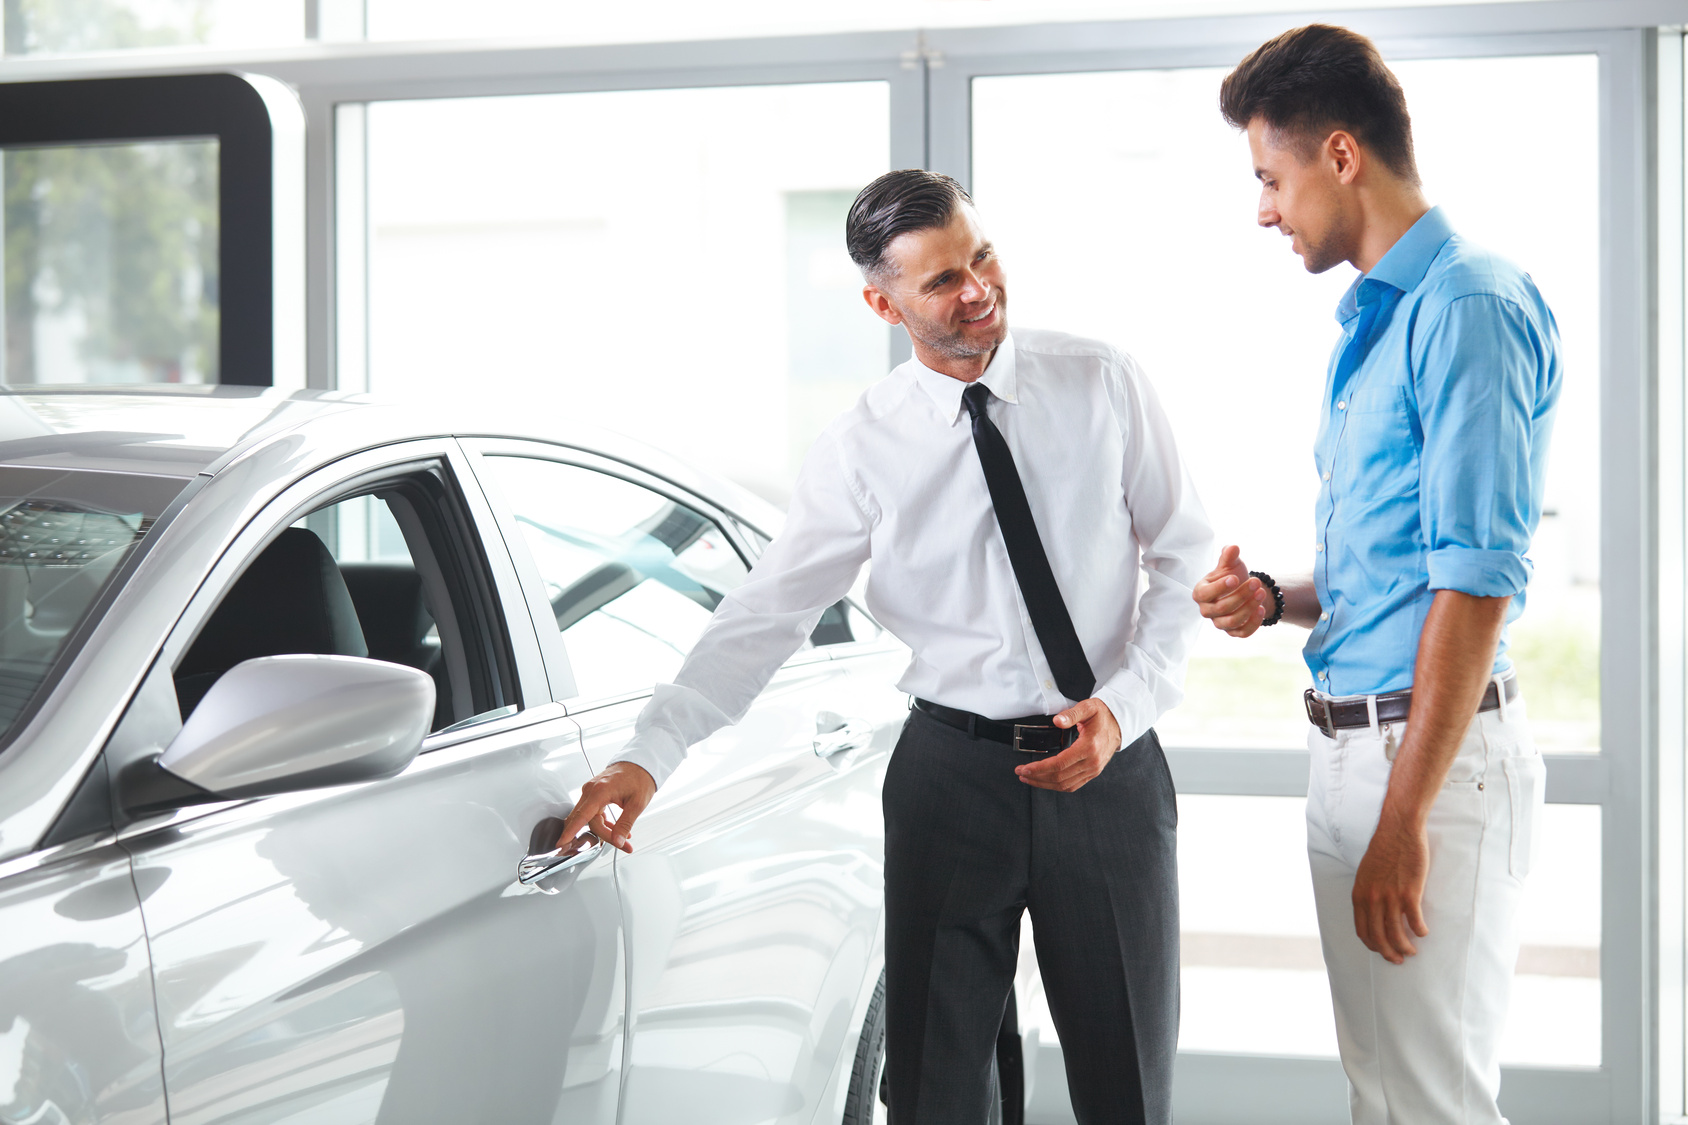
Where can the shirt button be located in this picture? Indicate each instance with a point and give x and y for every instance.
(1324, 617)
(1327, 474)
(1342, 406)
(1048, 686)
(1318, 547)
(1323, 676)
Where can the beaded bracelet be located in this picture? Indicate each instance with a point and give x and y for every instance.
(1277, 614)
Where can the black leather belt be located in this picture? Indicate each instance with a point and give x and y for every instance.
(1331, 716)
(1032, 734)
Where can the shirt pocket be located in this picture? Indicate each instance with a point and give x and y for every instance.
(1379, 448)
(1391, 399)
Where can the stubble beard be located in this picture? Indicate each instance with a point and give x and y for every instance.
(1319, 257)
(956, 345)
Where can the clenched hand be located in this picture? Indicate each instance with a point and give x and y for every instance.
(1231, 599)
(1098, 741)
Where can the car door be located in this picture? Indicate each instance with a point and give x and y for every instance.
(366, 953)
(78, 1042)
(753, 895)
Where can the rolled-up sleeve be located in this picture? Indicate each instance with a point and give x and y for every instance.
(1475, 380)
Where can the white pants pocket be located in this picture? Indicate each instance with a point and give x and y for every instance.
(1525, 778)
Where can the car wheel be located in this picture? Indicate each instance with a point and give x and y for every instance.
(865, 1105)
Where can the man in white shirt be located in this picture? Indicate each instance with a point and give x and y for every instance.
(1012, 493)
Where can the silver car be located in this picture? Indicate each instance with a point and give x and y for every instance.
(293, 690)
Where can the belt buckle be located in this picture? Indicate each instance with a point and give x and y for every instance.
(1318, 713)
(1018, 728)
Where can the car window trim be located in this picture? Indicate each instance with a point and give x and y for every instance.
(538, 602)
(483, 643)
(352, 475)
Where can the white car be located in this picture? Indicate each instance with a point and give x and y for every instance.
(293, 689)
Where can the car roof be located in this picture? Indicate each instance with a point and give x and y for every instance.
(188, 430)
(177, 431)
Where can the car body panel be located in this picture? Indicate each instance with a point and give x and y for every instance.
(753, 901)
(78, 1037)
(367, 954)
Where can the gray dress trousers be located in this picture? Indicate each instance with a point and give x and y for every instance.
(968, 847)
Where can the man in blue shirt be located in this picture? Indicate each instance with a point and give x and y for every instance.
(1425, 787)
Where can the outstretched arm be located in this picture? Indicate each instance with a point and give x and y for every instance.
(753, 631)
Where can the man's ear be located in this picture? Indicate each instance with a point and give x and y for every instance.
(1345, 156)
(881, 304)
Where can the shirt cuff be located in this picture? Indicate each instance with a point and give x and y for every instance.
(1132, 703)
(655, 751)
(1480, 573)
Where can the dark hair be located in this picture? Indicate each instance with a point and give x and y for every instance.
(896, 203)
(1308, 82)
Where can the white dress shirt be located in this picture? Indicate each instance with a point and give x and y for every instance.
(896, 480)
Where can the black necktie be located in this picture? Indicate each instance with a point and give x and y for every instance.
(1050, 620)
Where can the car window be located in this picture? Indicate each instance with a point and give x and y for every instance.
(63, 534)
(371, 575)
(632, 575)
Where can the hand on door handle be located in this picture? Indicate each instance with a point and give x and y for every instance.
(834, 733)
(581, 850)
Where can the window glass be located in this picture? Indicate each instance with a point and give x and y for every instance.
(632, 576)
(63, 533)
(1144, 234)
(111, 263)
(53, 26)
(668, 263)
(1253, 971)
(395, 610)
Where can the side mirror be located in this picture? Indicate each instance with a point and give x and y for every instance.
(279, 724)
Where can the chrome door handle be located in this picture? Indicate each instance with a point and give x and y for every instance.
(834, 733)
(578, 852)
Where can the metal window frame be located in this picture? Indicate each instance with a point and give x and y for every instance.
(1635, 1080)
(183, 107)
(1638, 779)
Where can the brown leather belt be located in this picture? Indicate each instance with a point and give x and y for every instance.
(1331, 716)
(1033, 734)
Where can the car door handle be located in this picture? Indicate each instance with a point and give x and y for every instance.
(834, 733)
(578, 852)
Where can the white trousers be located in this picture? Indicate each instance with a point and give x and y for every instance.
(1420, 1042)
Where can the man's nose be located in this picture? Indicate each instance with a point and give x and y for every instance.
(1268, 214)
(974, 288)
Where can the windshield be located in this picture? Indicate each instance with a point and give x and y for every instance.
(63, 533)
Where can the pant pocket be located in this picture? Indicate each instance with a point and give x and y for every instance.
(1525, 777)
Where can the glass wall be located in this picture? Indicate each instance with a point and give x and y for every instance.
(1144, 234)
(111, 263)
(57, 26)
(667, 263)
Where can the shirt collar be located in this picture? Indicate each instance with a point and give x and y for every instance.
(945, 390)
(1402, 267)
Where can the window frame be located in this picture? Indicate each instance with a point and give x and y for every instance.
(1638, 778)
(1642, 1023)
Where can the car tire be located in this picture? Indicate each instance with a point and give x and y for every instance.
(867, 1076)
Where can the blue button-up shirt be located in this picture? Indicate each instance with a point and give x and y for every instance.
(1431, 451)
